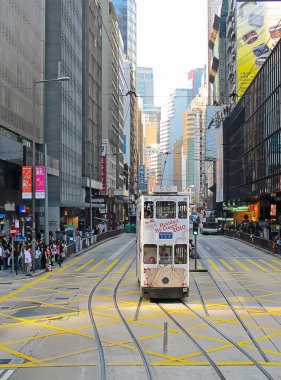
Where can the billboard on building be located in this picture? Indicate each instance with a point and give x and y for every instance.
(26, 182)
(141, 180)
(258, 31)
(103, 172)
(40, 174)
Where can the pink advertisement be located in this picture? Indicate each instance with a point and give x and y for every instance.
(40, 172)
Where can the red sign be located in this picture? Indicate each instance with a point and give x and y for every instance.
(26, 182)
(40, 182)
(13, 231)
(103, 172)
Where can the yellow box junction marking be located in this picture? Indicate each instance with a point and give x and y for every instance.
(257, 265)
(225, 263)
(270, 265)
(241, 264)
(83, 265)
(124, 267)
(97, 265)
(111, 265)
(213, 265)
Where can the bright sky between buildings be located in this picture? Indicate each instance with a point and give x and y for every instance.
(172, 39)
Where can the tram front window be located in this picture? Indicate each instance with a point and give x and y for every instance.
(149, 253)
(165, 254)
(180, 254)
(166, 210)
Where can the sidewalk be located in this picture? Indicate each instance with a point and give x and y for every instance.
(7, 276)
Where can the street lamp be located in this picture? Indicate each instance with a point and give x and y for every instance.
(59, 79)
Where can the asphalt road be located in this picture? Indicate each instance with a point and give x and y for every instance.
(229, 326)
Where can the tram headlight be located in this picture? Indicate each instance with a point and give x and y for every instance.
(165, 280)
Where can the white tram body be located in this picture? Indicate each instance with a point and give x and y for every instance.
(162, 243)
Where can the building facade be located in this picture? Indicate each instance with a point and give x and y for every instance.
(145, 85)
(21, 64)
(251, 138)
(63, 111)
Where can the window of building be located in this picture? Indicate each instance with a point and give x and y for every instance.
(166, 210)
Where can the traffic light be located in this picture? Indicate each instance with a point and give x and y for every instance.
(195, 228)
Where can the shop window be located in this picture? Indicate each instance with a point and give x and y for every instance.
(149, 253)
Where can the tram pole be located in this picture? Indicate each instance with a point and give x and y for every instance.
(195, 249)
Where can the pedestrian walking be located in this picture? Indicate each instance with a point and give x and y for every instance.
(16, 258)
(1, 254)
(27, 261)
(37, 257)
(47, 254)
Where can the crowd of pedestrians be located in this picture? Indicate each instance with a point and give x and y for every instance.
(44, 256)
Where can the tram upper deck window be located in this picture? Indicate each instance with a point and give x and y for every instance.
(148, 210)
(180, 254)
(182, 210)
(166, 210)
(149, 253)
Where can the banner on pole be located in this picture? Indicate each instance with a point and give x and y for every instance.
(40, 182)
(26, 182)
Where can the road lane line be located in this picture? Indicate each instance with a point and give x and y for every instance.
(226, 264)
(121, 249)
(7, 374)
(257, 265)
(83, 265)
(241, 265)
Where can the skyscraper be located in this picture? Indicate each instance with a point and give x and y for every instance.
(126, 11)
(145, 85)
(63, 109)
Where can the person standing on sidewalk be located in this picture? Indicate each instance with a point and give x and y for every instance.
(27, 261)
(16, 258)
(1, 254)
(37, 257)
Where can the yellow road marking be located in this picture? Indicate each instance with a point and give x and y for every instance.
(17, 353)
(257, 265)
(277, 261)
(240, 264)
(97, 265)
(84, 265)
(27, 286)
(124, 267)
(270, 265)
(213, 265)
(111, 265)
(226, 264)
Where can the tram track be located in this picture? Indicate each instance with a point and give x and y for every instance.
(102, 361)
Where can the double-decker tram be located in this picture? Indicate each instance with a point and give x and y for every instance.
(162, 243)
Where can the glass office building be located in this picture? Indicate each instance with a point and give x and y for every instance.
(252, 141)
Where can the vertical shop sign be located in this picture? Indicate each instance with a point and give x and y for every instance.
(103, 172)
(26, 182)
(40, 182)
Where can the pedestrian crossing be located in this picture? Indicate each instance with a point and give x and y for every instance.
(212, 264)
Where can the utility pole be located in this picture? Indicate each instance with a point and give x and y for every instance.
(90, 190)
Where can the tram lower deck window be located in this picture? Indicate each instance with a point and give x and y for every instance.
(149, 253)
(165, 254)
(180, 254)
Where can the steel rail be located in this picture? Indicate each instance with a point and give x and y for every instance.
(201, 349)
(99, 343)
(141, 351)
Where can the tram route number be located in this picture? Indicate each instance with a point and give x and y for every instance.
(165, 235)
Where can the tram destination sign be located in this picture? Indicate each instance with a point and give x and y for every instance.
(165, 235)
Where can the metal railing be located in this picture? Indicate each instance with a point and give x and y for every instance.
(268, 245)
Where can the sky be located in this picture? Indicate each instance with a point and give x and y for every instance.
(172, 39)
